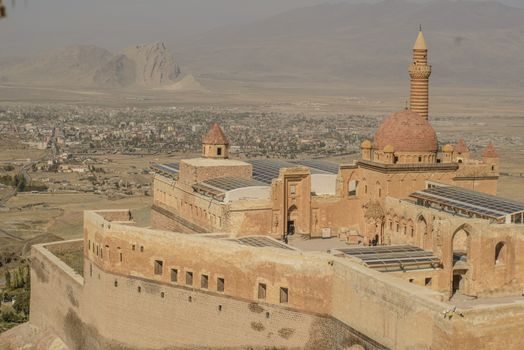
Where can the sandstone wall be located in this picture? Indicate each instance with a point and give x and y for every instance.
(333, 302)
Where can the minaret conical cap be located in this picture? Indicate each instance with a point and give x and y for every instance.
(420, 44)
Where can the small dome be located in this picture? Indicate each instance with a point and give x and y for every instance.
(389, 149)
(406, 131)
(447, 148)
(366, 144)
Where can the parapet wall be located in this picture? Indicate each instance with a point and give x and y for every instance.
(333, 302)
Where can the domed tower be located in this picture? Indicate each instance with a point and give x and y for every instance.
(419, 71)
(215, 144)
(405, 138)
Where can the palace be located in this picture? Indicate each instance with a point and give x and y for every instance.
(404, 190)
(424, 255)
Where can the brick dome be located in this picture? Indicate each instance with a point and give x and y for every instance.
(406, 131)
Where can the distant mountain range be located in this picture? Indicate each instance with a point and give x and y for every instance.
(149, 66)
(470, 43)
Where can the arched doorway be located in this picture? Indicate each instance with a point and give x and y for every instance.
(460, 246)
(292, 217)
(422, 232)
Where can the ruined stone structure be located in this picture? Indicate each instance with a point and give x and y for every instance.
(433, 261)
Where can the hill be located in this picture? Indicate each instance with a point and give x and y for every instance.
(471, 44)
(151, 65)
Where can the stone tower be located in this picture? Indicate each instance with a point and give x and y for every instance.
(215, 144)
(419, 71)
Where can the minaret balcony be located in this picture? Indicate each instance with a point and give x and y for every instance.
(419, 71)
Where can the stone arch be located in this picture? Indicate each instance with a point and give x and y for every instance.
(501, 253)
(460, 255)
(363, 187)
(460, 241)
(378, 190)
(410, 229)
(422, 231)
(292, 219)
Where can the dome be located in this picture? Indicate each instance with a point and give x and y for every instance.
(447, 148)
(389, 149)
(406, 131)
(366, 144)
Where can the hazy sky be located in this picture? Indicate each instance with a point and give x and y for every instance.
(37, 25)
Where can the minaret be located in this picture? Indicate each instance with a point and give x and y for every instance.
(419, 71)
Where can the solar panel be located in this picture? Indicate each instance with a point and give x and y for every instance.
(323, 165)
(219, 186)
(169, 169)
(394, 258)
(265, 170)
(261, 241)
(478, 203)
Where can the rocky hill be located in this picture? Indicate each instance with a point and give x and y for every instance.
(150, 66)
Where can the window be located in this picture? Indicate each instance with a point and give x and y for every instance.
(159, 264)
(189, 278)
(366, 189)
(121, 257)
(133, 247)
(500, 253)
(142, 249)
(116, 283)
(293, 189)
(352, 188)
(174, 275)
(419, 159)
(219, 307)
(262, 291)
(411, 280)
(162, 294)
(139, 289)
(283, 295)
(89, 245)
(428, 281)
(204, 281)
(90, 270)
(220, 284)
(219, 151)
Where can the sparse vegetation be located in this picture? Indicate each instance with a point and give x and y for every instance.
(14, 299)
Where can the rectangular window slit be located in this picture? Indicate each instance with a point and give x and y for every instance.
(283, 295)
(204, 281)
(189, 278)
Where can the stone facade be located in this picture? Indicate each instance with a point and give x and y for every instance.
(124, 301)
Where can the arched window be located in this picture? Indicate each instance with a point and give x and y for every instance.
(352, 188)
(500, 253)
